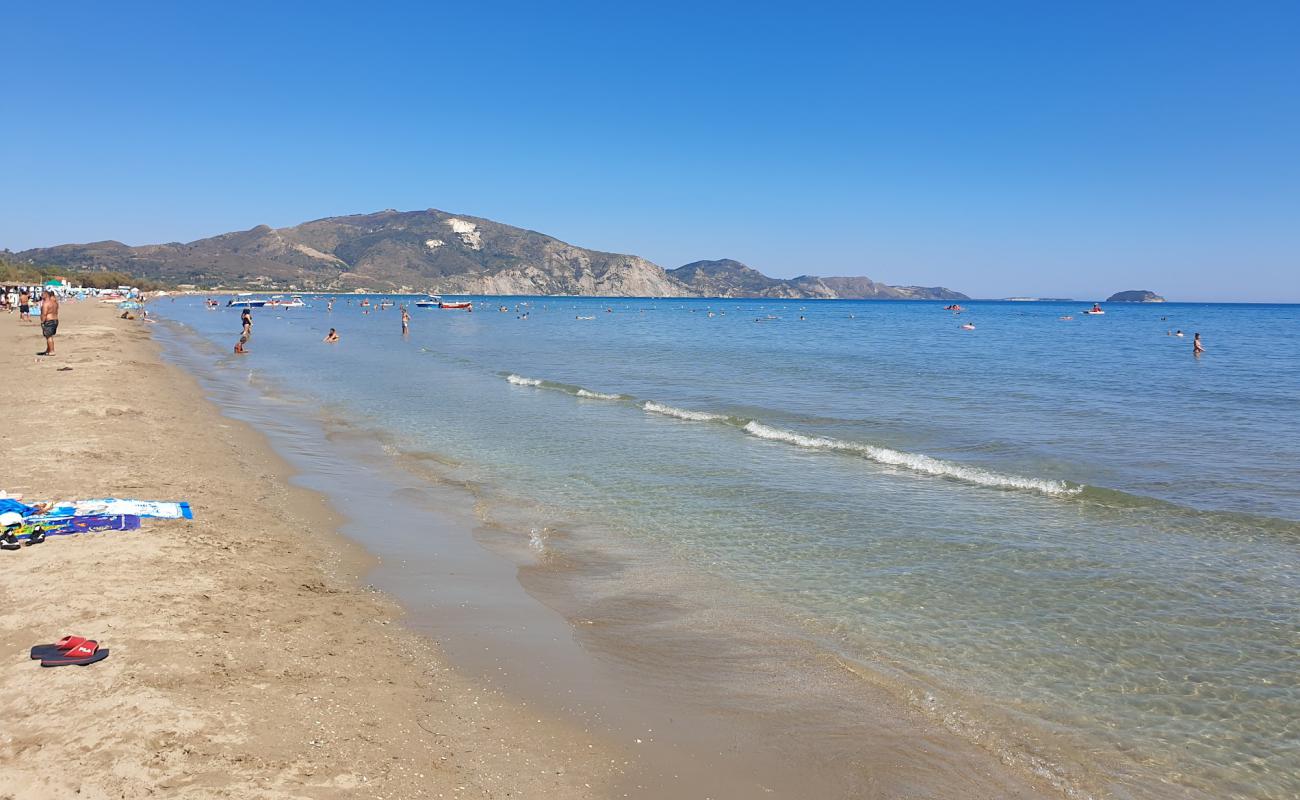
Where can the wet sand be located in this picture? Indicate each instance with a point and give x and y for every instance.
(248, 658)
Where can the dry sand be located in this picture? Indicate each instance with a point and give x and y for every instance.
(248, 661)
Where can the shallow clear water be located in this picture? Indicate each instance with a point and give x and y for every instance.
(1044, 529)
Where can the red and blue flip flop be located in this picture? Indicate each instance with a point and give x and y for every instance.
(86, 652)
(46, 650)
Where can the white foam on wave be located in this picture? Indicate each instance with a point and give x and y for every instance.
(914, 461)
(682, 413)
(597, 395)
(520, 380)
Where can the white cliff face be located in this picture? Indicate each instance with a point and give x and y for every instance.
(468, 232)
(433, 244)
(631, 277)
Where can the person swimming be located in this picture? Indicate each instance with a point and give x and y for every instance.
(331, 337)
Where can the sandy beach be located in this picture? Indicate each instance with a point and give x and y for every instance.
(248, 659)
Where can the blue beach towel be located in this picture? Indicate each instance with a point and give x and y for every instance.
(64, 526)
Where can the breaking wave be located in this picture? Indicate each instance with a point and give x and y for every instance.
(576, 391)
(916, 462)
(597, 395)
(682, 413)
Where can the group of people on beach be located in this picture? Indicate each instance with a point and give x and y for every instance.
(19, 298)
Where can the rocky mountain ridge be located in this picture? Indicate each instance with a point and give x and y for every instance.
(437, 251)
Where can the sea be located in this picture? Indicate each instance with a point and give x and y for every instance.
(1063, 538)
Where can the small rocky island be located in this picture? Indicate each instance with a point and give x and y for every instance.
(1135, 296)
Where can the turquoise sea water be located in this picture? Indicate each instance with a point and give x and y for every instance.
(1045, 529)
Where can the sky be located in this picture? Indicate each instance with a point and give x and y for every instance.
(1064, 149)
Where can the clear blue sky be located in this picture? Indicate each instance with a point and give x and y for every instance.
(1040, 148)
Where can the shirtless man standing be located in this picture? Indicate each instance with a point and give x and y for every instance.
(49, 321)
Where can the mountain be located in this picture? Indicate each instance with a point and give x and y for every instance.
(436, 251)
(728, 278)
(1135, 296)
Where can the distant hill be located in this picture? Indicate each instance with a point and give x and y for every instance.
(728, 278)
(440, 252)
(1135, 296)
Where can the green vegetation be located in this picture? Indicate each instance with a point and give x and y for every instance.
(30, 274)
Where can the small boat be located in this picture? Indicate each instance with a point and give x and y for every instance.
(969, 326)
(1091, 312)
(465, 304)
(279, 302)
(432, 301)
(246, 301)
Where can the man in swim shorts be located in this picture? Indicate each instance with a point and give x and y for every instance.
(49, 321)
(24, 304)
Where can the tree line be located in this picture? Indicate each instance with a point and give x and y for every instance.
(14, 273)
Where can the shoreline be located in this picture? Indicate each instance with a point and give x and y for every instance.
(247, 658)
(705, 738)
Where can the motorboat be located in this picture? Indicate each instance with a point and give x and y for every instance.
(246, 301)
(465, 304)
(432, 301)
(278, 301)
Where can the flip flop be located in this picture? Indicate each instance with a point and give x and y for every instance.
(86, 648)
(98, 655)
(48, 650)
